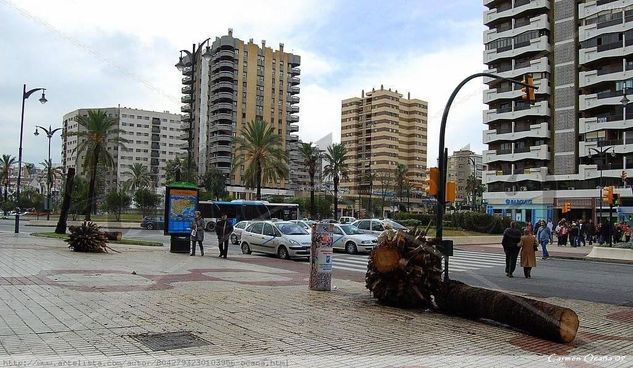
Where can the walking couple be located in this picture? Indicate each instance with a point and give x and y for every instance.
(514, 243)
(223, 229)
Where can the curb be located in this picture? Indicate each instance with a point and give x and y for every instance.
(569, 257)
(102, 226)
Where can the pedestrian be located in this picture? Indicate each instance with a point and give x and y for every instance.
(627, 232)
(223, 229)
(550, 224)
(582, 233)
(563, 234)
(537, 225)
(510, 243)
(573, 234)
(591, 231)
(197, 233)
(528, 246)
(543, 236)
(529, 227)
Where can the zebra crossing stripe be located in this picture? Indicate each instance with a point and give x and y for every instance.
(346, 260)
(350, 269)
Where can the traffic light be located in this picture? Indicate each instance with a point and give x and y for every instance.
(433, 183)
(607, 195)
(528, 92)
(566, 207)
(451, 191)
(616, 199)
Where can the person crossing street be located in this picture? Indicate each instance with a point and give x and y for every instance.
(223, 229)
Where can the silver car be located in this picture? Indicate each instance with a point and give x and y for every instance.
(284, 239)
(349, 238)
(236, 235)
(376, 226)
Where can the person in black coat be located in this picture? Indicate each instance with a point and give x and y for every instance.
(510, 241)
(223, 229)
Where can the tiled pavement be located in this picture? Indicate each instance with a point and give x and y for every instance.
(54, 302)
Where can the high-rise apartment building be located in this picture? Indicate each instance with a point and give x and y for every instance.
(153, 138)
(242, 82)
(462, 166)
(380, 130)
(542, 155)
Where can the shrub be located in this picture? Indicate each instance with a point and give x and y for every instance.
(87, 238)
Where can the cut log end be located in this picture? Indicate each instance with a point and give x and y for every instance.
(386, 259)
(569, 323)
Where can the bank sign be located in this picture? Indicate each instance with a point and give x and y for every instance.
(518, 202)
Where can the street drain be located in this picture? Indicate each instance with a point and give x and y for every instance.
(170, 340)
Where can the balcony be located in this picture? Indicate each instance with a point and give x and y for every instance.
(217, 87)
(223, 147)
(592, 77)
(490, 95)
(586, 172)
(605, 98)
(185, 99)
(536, 131)
(534, 174)
(222, 75)
(295, 71)
(293, 118)
(540, 108)
(539, 44)
(620, 146)
(294, 90)
(220, 159)
(590, 8)
(535, 23)
(221, 116)
(293, 138)
(222, 96)
(186, 89)
(185, 108)
(494, 15)
(185, 117)
(224, 54)
(540, 153)
(221, 106)
(612, 50)
(216, 138)
(293, 109)
(293, 128)
(606, 122)
(224, 64)
(293, 99)
(187, 80)
(540, 65)
(295, 80)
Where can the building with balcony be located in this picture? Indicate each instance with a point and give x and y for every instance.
(153, 138)
(540, 155)
(380, 130)
(462, 166)
(242, 82)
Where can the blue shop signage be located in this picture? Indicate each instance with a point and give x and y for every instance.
(518, 202)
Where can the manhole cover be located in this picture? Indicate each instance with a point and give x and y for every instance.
(170, 340)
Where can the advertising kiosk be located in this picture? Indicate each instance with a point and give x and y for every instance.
(181, 203)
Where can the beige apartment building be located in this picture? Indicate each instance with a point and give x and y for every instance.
(153, 138)
(380, 130)
(242, 82)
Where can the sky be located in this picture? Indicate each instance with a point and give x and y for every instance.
(106, 53)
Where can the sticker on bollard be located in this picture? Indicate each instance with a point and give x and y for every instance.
(321, 257)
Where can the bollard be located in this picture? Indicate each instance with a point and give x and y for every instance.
(321, 257)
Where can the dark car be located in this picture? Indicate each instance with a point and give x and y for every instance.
(153, 223)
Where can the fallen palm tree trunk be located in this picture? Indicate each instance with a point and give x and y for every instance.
(406, 271)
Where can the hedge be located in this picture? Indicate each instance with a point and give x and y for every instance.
(472, 221)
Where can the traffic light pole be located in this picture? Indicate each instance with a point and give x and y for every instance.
(611, 227)
(441, 197)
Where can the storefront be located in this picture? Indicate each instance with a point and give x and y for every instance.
(520, 209)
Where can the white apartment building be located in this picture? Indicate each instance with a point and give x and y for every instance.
(153, 138)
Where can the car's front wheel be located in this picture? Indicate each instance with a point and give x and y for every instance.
(282, 253)
(350, 248)
(149, 226)
(234, 239)
(246, 249)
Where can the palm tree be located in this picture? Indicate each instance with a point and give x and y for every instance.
(98, 130)
(55, 172)
(139, 177)
(370, 177)
(311, 158)
(336, 168)
(6, 163)
(214, 181)
(258, 148)
(400, 178)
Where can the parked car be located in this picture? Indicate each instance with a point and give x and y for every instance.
(376, 226)
(153, 223)
(238, 228)
(349, 238)
(307, 225)
(346, 219)
(284, 239)
(331, 221)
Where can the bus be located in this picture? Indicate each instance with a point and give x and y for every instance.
(240, 210)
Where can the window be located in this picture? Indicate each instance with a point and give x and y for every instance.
(269, 230)
(363, 225)
(255, 228)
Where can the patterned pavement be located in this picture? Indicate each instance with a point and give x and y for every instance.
(59, 306)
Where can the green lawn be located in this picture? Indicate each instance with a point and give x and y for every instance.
(122, 241)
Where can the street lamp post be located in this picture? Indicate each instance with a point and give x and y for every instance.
(25, 94)
(49, 134)
(473, 161)
(193, 58)
(601, 153)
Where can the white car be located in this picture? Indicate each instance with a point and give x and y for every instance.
(349, 238)
(307, 225)
(236, 235)
(377, 226)
(284, 238)
(346, 219)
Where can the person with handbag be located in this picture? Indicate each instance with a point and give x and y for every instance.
(510, 242)
(224, 229)
(528, 246)
(197, 233)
